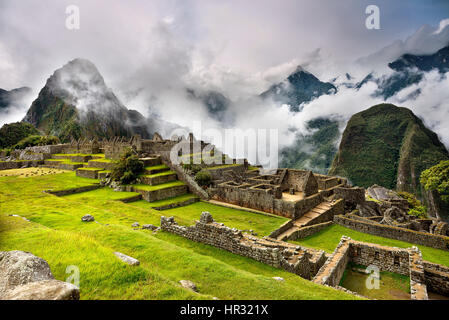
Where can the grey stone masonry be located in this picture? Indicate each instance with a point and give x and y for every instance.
(296, 259)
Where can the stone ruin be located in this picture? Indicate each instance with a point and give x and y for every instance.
(423, 275)
(387, 208)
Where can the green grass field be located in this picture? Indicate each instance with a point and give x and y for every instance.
(329, 238)
(57, 234)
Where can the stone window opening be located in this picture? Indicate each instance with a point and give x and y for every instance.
(396, 260)
(376, 255)
(359, 251)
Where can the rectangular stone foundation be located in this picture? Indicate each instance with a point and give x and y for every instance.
(402, 261)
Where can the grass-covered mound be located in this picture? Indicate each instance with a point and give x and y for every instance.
(57, 234)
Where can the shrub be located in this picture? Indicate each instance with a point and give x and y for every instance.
(34, 140)
(416, 207)
(194, 168)
(127, 169)
(203, 178)
(436, 178)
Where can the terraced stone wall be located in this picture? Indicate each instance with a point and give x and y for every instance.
(275, 253)
(402, 234)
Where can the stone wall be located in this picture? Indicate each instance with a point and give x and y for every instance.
(17, 164)
(66, 192)
(160, 194)
(218, 174)
(402, 261)
(437, 278)
(308, 231)
(86, 173)
(332, 271)
(259, 199)
(303, 181)
(407, 235)
(275, 253)
(386, 258)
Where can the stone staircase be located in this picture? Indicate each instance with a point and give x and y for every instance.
(310, 218)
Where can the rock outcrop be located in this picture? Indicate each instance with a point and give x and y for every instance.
(23, 276)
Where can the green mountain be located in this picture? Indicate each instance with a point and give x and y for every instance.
(75, 102)
(389, 146)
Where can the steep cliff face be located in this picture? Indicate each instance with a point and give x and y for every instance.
(75, 102)
(388, 146)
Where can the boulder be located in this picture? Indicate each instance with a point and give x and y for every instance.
(188, 285)
(127, 259)
(23, 276)
(18, 268)
(369, 209)
(149, 227)
(88, 218)
(135, 225)
(44, 290)
(206, 217)
(382, 194)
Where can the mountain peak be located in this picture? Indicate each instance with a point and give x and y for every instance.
(76, 102)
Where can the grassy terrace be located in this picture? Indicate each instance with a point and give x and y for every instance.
(57, 234)
(165, 173)
(223, 166)
(103, 194)
(328, 239)
(102, 160)
(159, 186)
(158, 167)
(145, 204)
(79, 155)
(90, 169)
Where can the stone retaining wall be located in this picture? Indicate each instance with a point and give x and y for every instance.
(90, 174)
(407, 235)
(308, 231)
(437, 278)
(6, 165)
(275, 253)
(402, 261)
(161, 194)
(66, 192)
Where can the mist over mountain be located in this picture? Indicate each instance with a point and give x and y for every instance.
(75, 102)
(300, 87)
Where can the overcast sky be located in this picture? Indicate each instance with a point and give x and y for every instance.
(222, 36)
(150, 51)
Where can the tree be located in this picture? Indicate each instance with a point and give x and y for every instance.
(203, 178)
(128, 168)
(436, 178)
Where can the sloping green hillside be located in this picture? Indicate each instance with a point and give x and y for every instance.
(56, 233)
(12, 133)
(388, 146)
